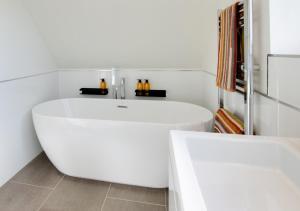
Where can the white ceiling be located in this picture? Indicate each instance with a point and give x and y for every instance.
(121, 33)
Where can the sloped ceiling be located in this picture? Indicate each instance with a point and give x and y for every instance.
(121, 33)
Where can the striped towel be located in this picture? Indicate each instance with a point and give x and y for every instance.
(226, 122)
(228, 49)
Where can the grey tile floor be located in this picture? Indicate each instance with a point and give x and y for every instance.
(39, 186)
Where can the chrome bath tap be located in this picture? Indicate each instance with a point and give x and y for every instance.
(122, 89)
(118, 86)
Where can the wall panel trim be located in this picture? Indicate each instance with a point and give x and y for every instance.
(28, 76)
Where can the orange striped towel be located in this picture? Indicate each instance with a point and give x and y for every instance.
(226, 122)
(227, 54)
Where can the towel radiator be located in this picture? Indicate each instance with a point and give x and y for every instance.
(245, 80)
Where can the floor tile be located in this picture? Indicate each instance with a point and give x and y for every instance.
(77, 195)
(40, 172)
(120, 205)
(18, 197)
(155, 196)
(167, 197)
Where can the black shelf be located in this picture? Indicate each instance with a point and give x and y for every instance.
(151, 93)
(93, 91)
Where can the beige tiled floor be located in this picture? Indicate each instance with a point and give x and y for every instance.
(39, 186)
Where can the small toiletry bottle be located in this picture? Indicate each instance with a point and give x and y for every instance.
(147, 87)
(139, 88)
(103, 84)
(139, 85)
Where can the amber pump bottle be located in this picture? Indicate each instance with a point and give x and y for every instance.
(147, 85)
(103, 84)
(139, 88)
(139, 85)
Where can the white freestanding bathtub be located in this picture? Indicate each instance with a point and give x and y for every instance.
(121, 141)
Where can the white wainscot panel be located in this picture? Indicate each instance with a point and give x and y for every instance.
(18, 141)
(288, 122)
(184, 86)
(210, 91)
(284, 77)
(70, 81)
(266, 110)
(266, 116)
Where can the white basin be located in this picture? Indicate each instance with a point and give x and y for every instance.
(212, 172)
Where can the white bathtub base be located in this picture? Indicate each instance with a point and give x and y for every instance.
(127, 152)
(110, 158)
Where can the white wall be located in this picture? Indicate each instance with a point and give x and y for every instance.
(167, 35)
(284, 76)
(22, 50)
(284, 22)
(18, 141)
(178, 34)
(142, 34)
(27, 77)
(261, 37)
(181, 85)
(272, 118)
(118, 33)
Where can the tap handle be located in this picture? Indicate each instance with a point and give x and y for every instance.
(122, 81)
(122, 87)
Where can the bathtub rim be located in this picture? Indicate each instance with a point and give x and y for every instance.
(201, 121)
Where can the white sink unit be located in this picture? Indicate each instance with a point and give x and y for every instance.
(212, 172)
